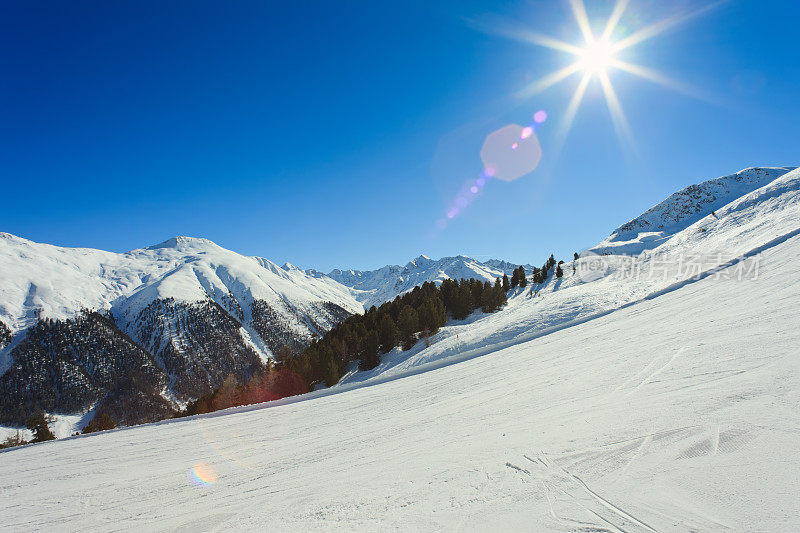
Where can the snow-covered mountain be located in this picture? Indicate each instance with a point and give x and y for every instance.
(194, 311)
(373, 287)
(683, 208)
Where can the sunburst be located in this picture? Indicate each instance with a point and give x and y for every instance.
(598, 55)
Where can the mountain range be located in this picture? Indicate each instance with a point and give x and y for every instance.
(149, 330)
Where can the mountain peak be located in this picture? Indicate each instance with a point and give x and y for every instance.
(684, 207)
(419, 261)
(182, 242)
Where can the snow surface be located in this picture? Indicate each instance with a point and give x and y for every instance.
(664, 401)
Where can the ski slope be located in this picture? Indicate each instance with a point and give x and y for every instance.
(763, 215)
(677, 411)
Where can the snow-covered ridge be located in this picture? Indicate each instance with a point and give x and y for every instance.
(41, 280)
(373, 287)
(683, 208)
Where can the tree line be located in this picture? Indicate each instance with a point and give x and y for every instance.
(402, 322)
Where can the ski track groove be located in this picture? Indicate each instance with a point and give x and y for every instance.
(559, 473)
(666, 365)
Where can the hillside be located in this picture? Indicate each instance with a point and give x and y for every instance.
(194, 311)
(682, 209)
(601, 284)
(658, 403)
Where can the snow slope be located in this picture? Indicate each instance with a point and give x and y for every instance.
(677, 413)
(683, 209)
(768, 213)
(373, 287)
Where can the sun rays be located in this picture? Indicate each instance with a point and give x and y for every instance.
(598, 55)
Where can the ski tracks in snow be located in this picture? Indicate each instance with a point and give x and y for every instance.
(659, 364)
(559, 483)
(576, 506)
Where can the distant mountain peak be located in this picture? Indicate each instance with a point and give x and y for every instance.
(373, 287)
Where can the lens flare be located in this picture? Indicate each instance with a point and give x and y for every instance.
(507, 154)
(510, 164)
(203, 475)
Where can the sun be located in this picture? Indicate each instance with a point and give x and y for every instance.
(597, 57)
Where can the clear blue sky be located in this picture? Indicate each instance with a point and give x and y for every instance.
(336, 134)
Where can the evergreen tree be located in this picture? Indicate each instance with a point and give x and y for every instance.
(387, 335)
(551, 262)
(523, 281)
(39, 424)
(226, 395)
(432, 315)
(408, 324)
(369, 355)
(506, 284)
(331, 372)
(499, 295)
(537, 273)
(576, 256)
(559, 272)
(449, 291)
(543, 276)
(515, 278)
(463, 304)
(476, 290)
(487, 298)
(100, 422)
(440, 313)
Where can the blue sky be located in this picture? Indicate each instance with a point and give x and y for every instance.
(336, 134)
